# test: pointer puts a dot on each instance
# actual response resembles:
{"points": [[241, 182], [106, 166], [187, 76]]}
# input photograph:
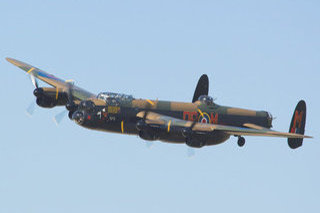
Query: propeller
{"points": [[149, 144], [187, 132], [59, 117], [70, 106], [34, 81], [141, 124], [31, 108], [191, 152], [32, 105]]}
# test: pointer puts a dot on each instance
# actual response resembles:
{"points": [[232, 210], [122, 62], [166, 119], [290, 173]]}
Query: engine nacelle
{"points": [[148, 135], [50, 97], [192, 139], [46, 102], [195, 142], [146, 132]]}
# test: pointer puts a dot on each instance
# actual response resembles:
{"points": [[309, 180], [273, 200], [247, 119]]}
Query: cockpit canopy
{"points": [[114, 98], [206, 99]]}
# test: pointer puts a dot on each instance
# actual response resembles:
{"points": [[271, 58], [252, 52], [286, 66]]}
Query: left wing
{"points": [[155, 118], [77, 92]]}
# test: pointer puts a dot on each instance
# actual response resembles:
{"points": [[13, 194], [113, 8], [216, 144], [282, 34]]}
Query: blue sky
{"points": [[258, 55]]}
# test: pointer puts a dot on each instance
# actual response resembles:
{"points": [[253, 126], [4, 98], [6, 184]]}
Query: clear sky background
{"points": [[260, 55]]}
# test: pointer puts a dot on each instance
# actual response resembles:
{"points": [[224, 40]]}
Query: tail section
{"points": [[297, 125], [202, 88]]}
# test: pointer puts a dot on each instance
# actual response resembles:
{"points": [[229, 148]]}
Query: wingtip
{"points": [[8, 59], [12, 61], [18, 63]]}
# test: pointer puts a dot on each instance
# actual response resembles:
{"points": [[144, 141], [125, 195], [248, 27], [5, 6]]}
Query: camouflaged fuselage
{"points": [[122, 118]]}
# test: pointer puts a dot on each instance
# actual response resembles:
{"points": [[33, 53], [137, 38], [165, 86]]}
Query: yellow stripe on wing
{"points": [[29, 71]]}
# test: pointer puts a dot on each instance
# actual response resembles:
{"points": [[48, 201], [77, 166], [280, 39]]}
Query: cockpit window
{"points": [[114, 98], [206, 99]]}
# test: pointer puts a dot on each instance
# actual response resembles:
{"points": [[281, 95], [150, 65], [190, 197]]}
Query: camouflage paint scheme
{"points": [[197, 124]]}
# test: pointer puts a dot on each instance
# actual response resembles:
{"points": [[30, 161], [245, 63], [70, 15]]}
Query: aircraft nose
{"points": [[78, 116]]}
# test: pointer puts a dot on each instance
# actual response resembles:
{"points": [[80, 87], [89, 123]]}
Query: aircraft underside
{"points": [[157, 133]]}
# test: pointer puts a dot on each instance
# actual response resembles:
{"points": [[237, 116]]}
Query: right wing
{"points": [[158, 119], [77, 92]]}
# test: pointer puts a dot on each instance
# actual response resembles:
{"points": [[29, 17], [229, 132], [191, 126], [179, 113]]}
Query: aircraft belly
{"points": [[172, 137]]}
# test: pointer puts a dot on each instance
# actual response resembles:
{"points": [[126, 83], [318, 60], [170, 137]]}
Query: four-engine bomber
{"points": [[198, 123]]}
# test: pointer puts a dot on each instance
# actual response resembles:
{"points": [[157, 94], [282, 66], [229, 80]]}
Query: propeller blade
{"points": [[59, 117], [34, 81], [149, 144], [190, 152], [31, 108]]}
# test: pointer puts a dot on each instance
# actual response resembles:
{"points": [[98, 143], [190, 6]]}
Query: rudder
{"points": [[297, 124]]}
